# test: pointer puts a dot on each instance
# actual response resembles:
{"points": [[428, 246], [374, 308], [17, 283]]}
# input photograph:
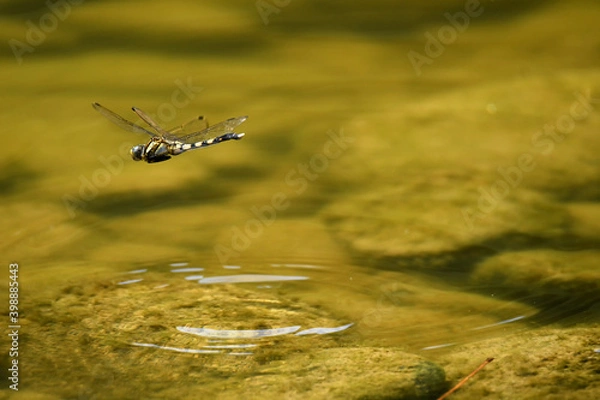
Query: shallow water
{"points": [[417, 182]]}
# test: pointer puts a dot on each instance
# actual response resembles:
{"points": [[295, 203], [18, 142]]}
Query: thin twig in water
{"points": [[459, 384]]}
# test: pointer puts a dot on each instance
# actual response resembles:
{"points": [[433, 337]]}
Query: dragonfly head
{"points": [[137, 152]]}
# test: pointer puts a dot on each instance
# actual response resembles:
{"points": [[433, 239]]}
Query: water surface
{"points": [[417, 191]]}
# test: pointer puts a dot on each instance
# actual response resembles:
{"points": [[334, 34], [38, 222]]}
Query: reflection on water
{"points": [[507, 321], [129, 282], [192, 269], [232, 336], [238, 334], [250, 278], [372, 317], [418, 188], [178, 350]]}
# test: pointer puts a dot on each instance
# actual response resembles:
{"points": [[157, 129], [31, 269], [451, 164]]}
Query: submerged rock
{"points": [[182, 338], [471, 167], [559, 283], [352, 373], [549, 363]]}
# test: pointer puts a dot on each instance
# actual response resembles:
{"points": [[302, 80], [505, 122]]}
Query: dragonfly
{"points": [[164, 144]]}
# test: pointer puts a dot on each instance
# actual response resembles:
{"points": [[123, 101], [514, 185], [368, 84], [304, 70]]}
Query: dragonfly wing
{"points": [[196, 125], [120, 121], [219, 129], [150, 121]]}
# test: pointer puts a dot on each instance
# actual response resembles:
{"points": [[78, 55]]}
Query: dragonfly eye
{"points": [[137, 152]]}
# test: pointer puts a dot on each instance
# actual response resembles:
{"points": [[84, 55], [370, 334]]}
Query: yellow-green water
{"points": [[428, 173]]}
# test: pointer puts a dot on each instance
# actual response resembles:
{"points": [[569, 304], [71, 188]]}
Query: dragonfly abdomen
{"points": [[209, 142]]}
